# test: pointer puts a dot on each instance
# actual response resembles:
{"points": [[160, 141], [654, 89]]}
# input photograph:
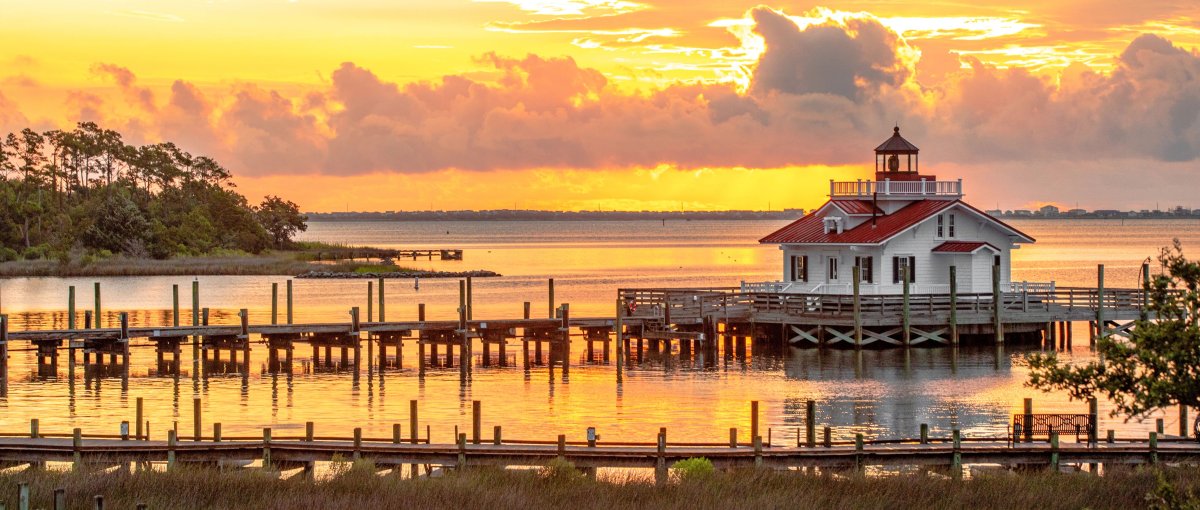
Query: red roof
{"points": [[962, 247], [811, 228], [863, 207]]}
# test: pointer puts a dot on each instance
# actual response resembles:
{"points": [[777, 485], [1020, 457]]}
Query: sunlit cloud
{"points": [[572, 7]]}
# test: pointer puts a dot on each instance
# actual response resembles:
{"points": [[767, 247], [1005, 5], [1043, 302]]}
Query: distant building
{"points": [[994, 212], [1049, 211], [1076, 212], [1022, 213]]}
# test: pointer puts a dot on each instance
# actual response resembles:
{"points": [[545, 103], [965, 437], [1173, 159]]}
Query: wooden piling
{"points": [[77, 447], [309, 430], [195, 303], [71, 307], [274, 303], [1101, 329], [733, 443], [1145, 291], [216, 432], [357, 443], [138, 417], [753, 418], [496, 440], [953, 305], [1028, 411], [22, 496], [827, 436], [1154, 447], [566, 342], [810, 423], [997, 305], [381, 302], [905, 311], [956, 469], [288, 291], [266, 451], [550, 294], [60, 499], [412, 421], [924, 433], [476, 421], [858, 451], [96, 296], [171, 440], [174, 305], [758, 447], [660, 462], [196, 432], [470, 299], [462, 331], [370, 301], [1094, 416], [1183, 419], [858, 329], [619, 329]]}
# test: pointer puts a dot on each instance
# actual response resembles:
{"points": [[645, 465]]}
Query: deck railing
{"points": [[890, 188]]}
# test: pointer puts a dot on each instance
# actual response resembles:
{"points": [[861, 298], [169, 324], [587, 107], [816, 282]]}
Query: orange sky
{"points": [[623, 104]]}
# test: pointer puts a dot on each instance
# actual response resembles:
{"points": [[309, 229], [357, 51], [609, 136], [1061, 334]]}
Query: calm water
{"points": [[881, 393]]}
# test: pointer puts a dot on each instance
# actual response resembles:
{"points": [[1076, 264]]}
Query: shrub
{"points": [[695, 468], [561, 470], [8, 254]]}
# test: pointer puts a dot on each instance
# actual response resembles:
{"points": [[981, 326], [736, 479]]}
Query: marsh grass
{"points": [[355, 485]]}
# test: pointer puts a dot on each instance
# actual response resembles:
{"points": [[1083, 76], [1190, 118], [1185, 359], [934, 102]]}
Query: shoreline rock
{"points": [[399, 274]]}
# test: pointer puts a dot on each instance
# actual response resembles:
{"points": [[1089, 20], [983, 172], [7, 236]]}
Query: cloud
{"points": [[824, 92]]}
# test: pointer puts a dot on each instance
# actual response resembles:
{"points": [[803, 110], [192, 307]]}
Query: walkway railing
{"points": [[886, 188]]}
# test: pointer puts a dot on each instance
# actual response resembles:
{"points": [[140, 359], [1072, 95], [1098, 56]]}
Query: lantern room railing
{"points": [[889, 188]]}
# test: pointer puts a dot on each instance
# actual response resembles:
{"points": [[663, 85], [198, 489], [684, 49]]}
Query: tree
{"points": [[282, 219], [119, 226], [1158, 366]]}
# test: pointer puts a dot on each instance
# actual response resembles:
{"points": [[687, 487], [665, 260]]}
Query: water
{"points": [[881, 393]]}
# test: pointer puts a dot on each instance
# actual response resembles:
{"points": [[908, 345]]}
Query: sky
{"points": [[627, 104]]}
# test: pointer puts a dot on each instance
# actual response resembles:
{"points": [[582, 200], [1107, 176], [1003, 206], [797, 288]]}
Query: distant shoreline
{"points": [[786, 215]]}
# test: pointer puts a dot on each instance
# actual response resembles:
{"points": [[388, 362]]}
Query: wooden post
{"points": [[412, 421], [171, 439], [266, 452], [462, 330], [370, 301], [565, 350], [827, 436], [905, 317], [1154, 447], [496, 435], [953, 305], [660, 461], [309, 431], [1145, 291], [857, 308], [810, 423], [997, 304], [858, 451], [462, 450], [956, 460], [476, 421], [1053, 451], [216, 432], [288, 291], [34, 425], [22, 496], [381, 301], [96, 295], [924, 433], [71, 308], [733, 437], [1158, 425], [138, 416], [357, 443], [196, 432], [753, 418], [60, 499], [1028, 411], [244, 315], [175, 305], [4, 355], [1101, 329], [195, 303], [758, 447], [1183, 418], [77, 447], [470, 300], [1094, 416], [619, 329], [274, 303], [551, 295]]}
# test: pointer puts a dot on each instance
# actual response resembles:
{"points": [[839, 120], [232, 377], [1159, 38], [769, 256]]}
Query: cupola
{"points": [[897, 159]]}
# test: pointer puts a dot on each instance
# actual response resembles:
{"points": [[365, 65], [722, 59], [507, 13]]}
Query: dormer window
{"points": [[832, 224]]}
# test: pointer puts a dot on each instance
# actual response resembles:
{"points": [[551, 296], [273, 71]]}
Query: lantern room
{"points": [[898, 159]]}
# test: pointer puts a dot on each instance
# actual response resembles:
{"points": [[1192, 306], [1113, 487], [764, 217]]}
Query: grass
{"points": [[359, 487]]}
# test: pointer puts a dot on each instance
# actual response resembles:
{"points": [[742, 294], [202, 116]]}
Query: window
{"points": [[941, 227], [866, 269], [907, 261], [833, 269], [950, 223], [799, 268]]}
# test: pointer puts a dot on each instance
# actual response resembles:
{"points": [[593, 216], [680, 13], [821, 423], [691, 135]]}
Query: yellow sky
{"points": [[51, 52]]}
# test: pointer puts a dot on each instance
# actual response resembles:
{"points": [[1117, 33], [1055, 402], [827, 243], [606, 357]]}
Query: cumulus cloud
{"points": [[823, 93]]}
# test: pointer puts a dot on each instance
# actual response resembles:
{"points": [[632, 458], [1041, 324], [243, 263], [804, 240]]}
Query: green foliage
{"points": [[693, 469], [1159, 366], [561, 470], [67, 194], [1166, 497]]}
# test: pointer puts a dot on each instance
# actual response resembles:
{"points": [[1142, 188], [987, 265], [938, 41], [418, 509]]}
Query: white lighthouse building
{"points": [[902, 219]]}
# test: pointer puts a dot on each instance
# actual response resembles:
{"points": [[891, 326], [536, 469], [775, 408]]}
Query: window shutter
{"points": [[895, 269], [912, 269], [804, 268]]}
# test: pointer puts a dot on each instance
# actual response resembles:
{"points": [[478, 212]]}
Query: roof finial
{"points": [[896, 129]]}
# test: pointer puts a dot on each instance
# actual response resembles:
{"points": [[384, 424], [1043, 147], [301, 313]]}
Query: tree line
{"points": [[86, 193]]}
